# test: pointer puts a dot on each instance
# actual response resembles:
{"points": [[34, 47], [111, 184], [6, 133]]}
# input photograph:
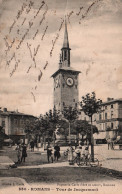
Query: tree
{"points": [[84, 128], [44, 126], [31, 128], [70, 114], [63, 128], [48, 123], [90, 105], [79, 127]]}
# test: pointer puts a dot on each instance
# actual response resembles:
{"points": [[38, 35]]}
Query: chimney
{"points": [[109, 99]]}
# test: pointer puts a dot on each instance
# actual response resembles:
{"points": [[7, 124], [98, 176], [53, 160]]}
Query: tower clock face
{"points": [[70, 81]]}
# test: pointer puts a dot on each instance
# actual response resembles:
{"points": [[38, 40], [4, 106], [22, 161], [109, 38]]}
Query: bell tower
{"points": [[65, 79], [65, 55]]}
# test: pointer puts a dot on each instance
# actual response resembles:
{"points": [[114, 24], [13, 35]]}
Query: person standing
{"points": [[49, 153], [70, 154], [32, 145], [24, 153], [18, 148], [57, 152]]}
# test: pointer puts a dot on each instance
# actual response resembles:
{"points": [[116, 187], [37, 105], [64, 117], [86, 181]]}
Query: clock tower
{"points": [[65, 79]]}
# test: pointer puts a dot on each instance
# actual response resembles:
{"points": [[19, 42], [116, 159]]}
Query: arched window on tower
{"points": [[65, 55]]}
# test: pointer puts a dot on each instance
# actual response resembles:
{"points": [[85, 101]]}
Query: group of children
{"points": [[78, 153], [82, 153]]}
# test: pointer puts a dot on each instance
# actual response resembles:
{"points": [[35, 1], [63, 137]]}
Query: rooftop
{"points": [[6, 112], [112, 101]]}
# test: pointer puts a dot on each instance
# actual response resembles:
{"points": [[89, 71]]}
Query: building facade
{"points": [[109, 120], [65, 79], [13, 123]]}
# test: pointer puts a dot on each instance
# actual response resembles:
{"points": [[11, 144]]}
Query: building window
{"points": [[3, 123], [63, 103], [111, 105], [73, 100], [63, 85], [15, 121], [105, 107], [100, 117], [105, 115], [75, 104], [76, 86], [102, 126], [105, 126], [111, 114], [22, 122], [112, 125]]}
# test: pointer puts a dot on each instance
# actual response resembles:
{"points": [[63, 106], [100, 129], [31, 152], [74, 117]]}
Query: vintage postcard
{"points": [[60, 96]]}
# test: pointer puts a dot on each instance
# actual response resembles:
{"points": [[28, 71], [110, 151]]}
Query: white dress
{"points": [[70, 154]]}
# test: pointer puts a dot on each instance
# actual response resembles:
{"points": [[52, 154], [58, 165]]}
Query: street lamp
{"points": [[69, 133]]}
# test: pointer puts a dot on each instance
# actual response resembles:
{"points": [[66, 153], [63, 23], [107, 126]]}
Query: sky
{"points": [[31, 38]]}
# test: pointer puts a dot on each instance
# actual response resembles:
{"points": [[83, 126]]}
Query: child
{"points": [[78, 154], [70, 154], [86, 154]]}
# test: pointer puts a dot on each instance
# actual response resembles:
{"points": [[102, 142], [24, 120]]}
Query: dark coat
{"points": [[49, 150], [32, 144], [57, 151], [24, 152]]}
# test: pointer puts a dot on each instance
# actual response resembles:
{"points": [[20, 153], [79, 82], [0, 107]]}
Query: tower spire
{"points": [[66, 41], [65, 49]]}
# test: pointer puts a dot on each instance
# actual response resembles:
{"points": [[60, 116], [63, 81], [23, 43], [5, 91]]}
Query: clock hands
{"points": [[69, 81]]}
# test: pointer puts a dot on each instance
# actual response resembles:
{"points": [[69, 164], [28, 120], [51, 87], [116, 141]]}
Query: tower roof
{"points": [[66, 69], [66, 41]]}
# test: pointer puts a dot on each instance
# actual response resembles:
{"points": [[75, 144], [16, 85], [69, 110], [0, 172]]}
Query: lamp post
{"points": [[69, 133]]}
